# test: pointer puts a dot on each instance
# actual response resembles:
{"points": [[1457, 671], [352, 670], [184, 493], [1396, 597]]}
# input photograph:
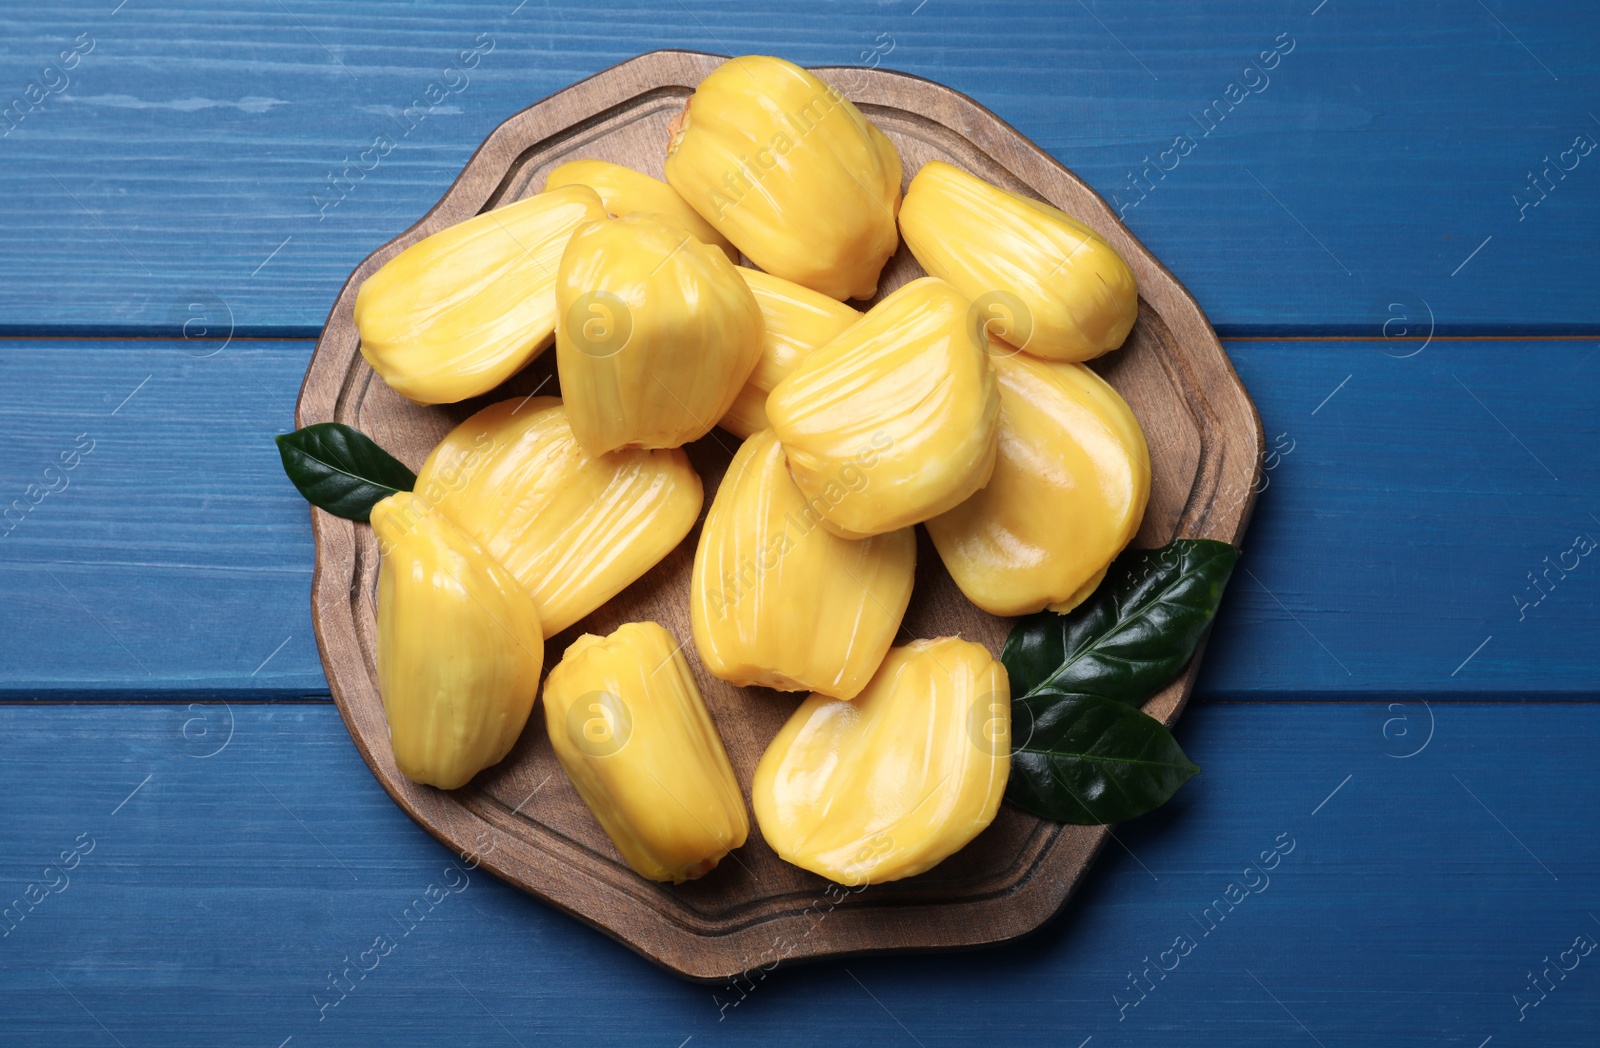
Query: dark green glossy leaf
{"points": [[341, 469], [1089, 760], [1133, 634], [1088, 754]]}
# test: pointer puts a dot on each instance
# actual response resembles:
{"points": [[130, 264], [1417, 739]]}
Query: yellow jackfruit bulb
{"points": [[633, 734], [459, 646], [789, 170], [894, 421], [574, 529], [797, 320], [894, 782], [778, 600], [1068, 492], [1038, 277], [459, 312], [625, 191], [656, 334]]}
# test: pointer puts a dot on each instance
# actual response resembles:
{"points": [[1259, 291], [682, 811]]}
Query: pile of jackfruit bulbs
{"points": [[960, 402]]}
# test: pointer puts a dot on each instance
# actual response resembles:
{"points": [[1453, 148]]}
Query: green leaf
{"points": [[1090, 760], [1133, 634], [1088, 754], [341, 469]]}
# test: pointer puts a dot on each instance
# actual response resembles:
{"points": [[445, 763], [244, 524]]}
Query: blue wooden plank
{"points": [[218, 887], [1421, 501], [192, 152], [1413, 489], [172, 554]]}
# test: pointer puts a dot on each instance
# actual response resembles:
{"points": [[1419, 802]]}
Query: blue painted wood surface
{"points": [[258, 854], [199, 152], [1414, 566], [1408, 499]]}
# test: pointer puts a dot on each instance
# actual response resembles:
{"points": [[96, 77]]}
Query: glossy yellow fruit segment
{"points": [[1068, 492], [1038, 277], [797, 320], [459, 312], [634, 736], [656, 334], [459, 646], [779, 601], [625, 191], [574, 529], [895, 420], [789, 170], [896, 781]]}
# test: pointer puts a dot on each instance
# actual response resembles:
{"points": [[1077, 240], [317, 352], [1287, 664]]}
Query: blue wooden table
{"points": [[1395, 227]]}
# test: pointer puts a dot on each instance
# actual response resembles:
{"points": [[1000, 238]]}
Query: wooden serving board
{"points": [[522, 819]]}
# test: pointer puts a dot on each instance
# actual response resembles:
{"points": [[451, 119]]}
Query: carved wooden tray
{"points": [[522, 819]]}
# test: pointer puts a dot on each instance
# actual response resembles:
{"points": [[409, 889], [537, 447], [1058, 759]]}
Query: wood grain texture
{"points": [[1205, 443], [199, 137], [1395, 531], [1412, 490], [218, 899], [161, 561]]}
